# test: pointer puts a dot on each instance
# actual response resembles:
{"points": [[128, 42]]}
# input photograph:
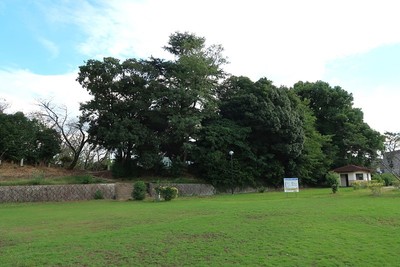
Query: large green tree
{"points": [[17, 136], [23, 138], [121, 115], [47, 144], [145, 109], [212, 160], [352, 140], [313, 163], [190, 79], [273, 116]]}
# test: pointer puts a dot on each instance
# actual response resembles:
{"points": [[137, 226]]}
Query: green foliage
{"points": [[262, 189], [376, 188], [335, 188], [313, 163], [125, 169], [352, 140], [185, 109], [22, 138], [377, 177], [212, 161], [38, 178], [153, 107], [139, 190], [388, 179], [274, 125], [48, 144], [98, 194], [359, 185], [396, 184], [167, 192], [87, 179], [333, 181]]}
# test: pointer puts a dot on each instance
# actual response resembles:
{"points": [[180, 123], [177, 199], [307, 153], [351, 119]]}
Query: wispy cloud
{"points": [[51, 47], [287, 40]]}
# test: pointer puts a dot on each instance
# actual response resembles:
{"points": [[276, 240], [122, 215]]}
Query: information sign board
{"points": [[291, 185]]}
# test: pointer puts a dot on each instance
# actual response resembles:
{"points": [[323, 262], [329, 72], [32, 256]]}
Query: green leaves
{"points": [[22, 138], [352, 140], [186, 109]]}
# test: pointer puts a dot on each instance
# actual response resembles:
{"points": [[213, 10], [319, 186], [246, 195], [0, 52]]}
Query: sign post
{"points": [[291, 185]]}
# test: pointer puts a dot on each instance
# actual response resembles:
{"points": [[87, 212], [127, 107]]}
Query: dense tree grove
{"points": [[352, 140], [184, 115], [189, 111], [23, 138]]}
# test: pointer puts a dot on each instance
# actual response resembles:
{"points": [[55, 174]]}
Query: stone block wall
{"points": [[38, 193], [123, 191], [187, 189], [118, 191]]}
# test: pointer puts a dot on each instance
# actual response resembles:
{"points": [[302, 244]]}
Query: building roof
{"points": [[351, 168]]}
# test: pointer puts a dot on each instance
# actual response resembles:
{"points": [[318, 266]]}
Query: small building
{"points": [[350, 173]]}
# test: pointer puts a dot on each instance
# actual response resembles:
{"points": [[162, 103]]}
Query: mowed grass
{"points": [[312, 228]]}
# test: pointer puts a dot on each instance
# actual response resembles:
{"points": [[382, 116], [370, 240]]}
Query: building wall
{"points": [[352, 177], [391, 162]]}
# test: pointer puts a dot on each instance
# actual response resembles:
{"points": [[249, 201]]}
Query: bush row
{"points": [[162, 192]]}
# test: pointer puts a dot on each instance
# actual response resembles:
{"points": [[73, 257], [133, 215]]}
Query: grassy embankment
{"points": [[314, 228]]}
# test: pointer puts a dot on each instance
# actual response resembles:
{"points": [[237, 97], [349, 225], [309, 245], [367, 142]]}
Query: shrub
{"points": [[359, 185], [262, 189], [388, 178], [87, 179], [376, 188], [332, 179], [167, 192], [335, 188], [98, 194], [377, 177], [396, 184], [139, 190]]}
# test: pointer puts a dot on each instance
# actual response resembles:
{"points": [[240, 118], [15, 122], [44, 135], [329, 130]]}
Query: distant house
{"points": [[350, 173], [390, 162]]}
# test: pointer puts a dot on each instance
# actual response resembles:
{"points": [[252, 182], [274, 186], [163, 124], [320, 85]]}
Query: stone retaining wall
{"points": [[35, 193], [123, 191], [187, 189], [118, 191]]}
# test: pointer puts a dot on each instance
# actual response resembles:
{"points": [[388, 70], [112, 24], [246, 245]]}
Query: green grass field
{"points": [[312, 228]]}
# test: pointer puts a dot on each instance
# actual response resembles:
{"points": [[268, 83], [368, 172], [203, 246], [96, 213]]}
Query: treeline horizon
{"points": [[192, 112]]}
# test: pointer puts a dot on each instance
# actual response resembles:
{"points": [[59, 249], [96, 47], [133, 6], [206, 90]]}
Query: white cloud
{"points": [[51, 47], [286, 40], [21, 88], [380, 107]]}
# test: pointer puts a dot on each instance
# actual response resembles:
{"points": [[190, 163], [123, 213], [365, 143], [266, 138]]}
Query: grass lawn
{"points": [[312, 228]]}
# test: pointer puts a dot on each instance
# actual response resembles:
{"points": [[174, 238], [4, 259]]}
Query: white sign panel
{"points": [[291, 184]]}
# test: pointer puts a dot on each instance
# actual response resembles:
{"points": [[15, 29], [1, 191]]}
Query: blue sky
{"points": [[353, 44]]}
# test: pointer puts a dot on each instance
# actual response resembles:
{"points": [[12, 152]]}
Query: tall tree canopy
{"points": [[22, 138], [189, 110], [352, 140], [148, 108], [190, 81], [120, 113], [277, 137]]}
